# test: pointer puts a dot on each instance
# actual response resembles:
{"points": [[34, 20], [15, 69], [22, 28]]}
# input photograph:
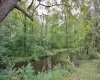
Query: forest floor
{"points": [[87, 71]]}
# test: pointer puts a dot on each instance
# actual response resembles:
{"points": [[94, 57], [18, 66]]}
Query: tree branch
{"points": [[51, 5], [45, 6], [30, 5], [24, 12], [35, 9]]}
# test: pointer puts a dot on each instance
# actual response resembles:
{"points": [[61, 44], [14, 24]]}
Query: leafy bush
{"points": [[56, 74], [28, 73]]}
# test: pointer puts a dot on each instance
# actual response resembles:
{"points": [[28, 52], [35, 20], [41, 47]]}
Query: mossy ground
{"points": [[87, 71]]}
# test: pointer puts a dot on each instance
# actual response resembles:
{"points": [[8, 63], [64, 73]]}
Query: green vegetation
{"points": [[47, 47], [87, 71]]}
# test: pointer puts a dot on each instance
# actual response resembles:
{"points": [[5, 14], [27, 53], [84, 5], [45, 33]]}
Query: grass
{"points": [[87, 71]]}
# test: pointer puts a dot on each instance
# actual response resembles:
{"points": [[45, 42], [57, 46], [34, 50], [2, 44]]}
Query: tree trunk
{"points": [[5, 7], [8, 5], [25, 47]]}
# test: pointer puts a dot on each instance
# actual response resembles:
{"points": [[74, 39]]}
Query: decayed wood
{"points": [[8, 5]]}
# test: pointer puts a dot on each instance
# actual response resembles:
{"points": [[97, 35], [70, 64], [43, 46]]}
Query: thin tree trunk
{"points": [[49, 64], [25, 48], [66, 32]]}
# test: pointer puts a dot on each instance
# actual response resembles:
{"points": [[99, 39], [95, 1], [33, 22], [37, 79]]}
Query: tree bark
{"points": [[5, 7], [8, 5]]}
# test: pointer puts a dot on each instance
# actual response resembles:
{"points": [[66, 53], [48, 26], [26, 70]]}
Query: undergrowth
{"points": [[28, 73]]}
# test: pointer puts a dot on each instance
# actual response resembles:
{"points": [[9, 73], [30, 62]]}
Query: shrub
{"points": [[57, 73]]}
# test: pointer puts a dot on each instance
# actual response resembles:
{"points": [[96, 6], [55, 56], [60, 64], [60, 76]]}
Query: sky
{"points": [[41, 9]]}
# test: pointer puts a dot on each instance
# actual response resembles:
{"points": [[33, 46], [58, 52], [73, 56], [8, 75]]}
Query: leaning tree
{"points": [[6, 6]]}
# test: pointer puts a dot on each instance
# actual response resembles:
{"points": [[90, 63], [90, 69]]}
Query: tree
{"points": [[8, 5]]}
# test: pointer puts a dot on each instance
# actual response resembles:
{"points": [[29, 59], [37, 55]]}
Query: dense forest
{"points": [[48, 39]]}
